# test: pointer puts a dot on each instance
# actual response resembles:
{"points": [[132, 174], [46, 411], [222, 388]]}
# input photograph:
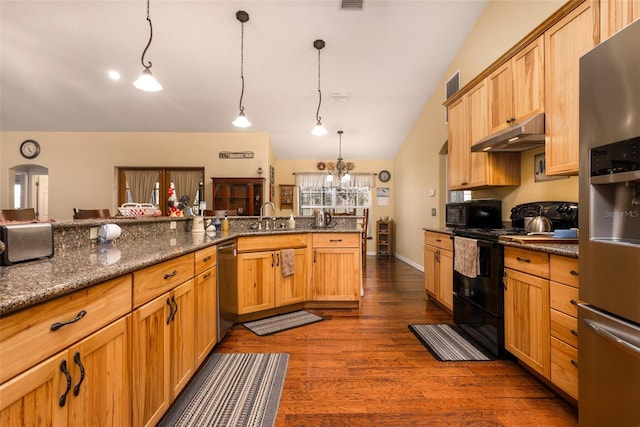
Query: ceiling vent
{"points": [[340, 96], [351, 4]]}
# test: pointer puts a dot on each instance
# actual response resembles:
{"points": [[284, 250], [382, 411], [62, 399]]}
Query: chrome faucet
{"points": [[273, 208]]}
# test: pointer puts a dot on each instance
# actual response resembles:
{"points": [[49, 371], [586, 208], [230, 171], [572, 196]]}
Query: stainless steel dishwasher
{"points": [[227, 288]]}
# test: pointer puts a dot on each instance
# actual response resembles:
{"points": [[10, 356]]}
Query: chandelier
{"points": [[341, 168]]}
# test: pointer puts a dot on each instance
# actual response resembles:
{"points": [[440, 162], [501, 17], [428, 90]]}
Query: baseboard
{"points": [[410, 262]]}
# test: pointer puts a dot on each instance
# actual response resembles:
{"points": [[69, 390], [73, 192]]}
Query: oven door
{"points": [[485, 290]]}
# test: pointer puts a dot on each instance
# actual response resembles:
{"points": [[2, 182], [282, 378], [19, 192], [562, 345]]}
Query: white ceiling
{"points": [[54, 58]]}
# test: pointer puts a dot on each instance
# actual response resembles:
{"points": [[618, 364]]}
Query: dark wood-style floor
{"points": [[368, 369]]}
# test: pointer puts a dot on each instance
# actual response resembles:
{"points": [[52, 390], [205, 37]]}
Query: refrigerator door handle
{"points": [[610, 336]]}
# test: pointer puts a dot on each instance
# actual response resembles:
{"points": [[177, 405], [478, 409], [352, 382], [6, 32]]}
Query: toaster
{"points": [[24, 242]]}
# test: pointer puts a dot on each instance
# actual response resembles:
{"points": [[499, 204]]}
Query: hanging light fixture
{"points": [[341, 169], [318, 130], [241, 121], [146, 81]]}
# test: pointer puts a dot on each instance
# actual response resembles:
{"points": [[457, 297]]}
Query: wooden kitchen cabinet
{"points": [[98, 395], [260, 282], [163, 352], [526, 308], [516, 89], [336, 267], [564, 43], [617, 14], [205, 303], [438, 267], [384, 241], [467, 170], [244, 195]]}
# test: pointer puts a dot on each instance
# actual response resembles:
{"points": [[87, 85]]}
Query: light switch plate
{"points": [[433, 211], [93, 233], [172, 225]]}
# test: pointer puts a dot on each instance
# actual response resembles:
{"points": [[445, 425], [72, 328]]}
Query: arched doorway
{"points": [[30, 189]]}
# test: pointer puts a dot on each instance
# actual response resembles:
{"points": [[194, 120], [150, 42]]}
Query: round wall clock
{"points": [[29, 149], [384, 176]]}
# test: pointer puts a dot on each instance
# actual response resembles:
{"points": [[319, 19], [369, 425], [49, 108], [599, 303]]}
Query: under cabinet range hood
{"points": [[522, 136]]}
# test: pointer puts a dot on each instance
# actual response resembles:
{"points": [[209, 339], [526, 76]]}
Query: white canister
{"points": [[291, 223], [109, 231], [198, 224]]}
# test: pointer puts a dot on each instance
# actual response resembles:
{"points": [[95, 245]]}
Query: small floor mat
{"points": [[448, 343], [281, 322]]}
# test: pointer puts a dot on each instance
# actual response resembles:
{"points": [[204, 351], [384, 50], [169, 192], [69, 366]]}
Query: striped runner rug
{"points": [[281, 322], [447, 343], [231, 390]]}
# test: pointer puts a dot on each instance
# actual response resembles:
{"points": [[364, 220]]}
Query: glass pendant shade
{"points": [[147, 82], [241, 121], [319, 130], [329, 178]]}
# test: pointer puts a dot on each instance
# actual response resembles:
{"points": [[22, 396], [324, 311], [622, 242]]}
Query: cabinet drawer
{"points": [[564, 369], [27, 336], [564, 270], [561, 297], [342, 240], [439, 240], [271, 242], [205, 259], [532, 262], [153, 281], [564, 327]]}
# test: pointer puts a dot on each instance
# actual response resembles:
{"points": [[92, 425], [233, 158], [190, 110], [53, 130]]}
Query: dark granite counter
{"points": [[448, 231], [564, 249], [78, 265]]}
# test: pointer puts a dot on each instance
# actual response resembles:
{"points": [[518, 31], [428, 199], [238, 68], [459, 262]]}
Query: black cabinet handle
{"points": [[173, 299], [207, 258], [574, 273], [170, 311], [170, 275], [574, 332], [76, 359], [438, 240], [523, 259], [207, 275], [574, 363], [335, 240], [573, 302], [278, 259], [59, 325], [65, 371], [273, 259]]}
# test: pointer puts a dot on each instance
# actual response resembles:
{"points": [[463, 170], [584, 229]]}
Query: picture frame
{"points": [[272, 174]]}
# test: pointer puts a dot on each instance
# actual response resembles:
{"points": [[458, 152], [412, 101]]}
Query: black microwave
{"points": [[478, 213]]}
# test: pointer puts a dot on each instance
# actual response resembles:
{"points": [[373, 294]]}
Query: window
{"points": [[350, 198]]}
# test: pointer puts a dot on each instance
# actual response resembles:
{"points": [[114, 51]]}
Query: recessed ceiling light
{"points": [[114, 75]]}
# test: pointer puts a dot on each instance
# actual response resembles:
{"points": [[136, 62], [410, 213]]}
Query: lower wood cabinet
{"points": [[336, 274], [205, 314], [438, 267], [86, 384], [163, 352]]}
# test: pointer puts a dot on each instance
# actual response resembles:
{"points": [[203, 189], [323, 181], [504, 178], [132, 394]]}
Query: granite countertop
{"points": [[25, 284], [564, 249], [448, 231]]}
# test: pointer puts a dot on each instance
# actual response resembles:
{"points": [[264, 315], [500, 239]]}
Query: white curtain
{"points": [[186, 183], [319, 180], [141, 185]]}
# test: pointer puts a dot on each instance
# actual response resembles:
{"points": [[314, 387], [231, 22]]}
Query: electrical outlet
{"points": [[172, 225], [93, 233], [433, 211]]}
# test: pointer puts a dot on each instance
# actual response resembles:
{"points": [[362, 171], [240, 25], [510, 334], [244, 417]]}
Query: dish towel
{"points": [[287, 257], [465, 258]]}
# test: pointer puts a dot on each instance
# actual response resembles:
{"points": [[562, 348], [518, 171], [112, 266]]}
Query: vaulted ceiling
{"points": [[386, 57]]}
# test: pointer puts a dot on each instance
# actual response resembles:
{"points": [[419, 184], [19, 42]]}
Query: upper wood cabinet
{"points": [[467, 170], [244, 195], [516, 89], [567, 40], [617, 14]]}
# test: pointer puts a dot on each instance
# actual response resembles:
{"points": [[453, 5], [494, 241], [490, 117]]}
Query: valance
{"points": [[319, 180]]}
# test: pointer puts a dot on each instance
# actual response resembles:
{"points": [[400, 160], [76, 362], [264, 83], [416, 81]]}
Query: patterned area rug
{"points": [[281, 322], [231, 390], [447, 343]]}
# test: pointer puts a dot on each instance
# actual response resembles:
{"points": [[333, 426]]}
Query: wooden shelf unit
{"points": [[384, 233]]}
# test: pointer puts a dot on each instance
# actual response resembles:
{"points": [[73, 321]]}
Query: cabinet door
{"points": [[32, 398], [292, 289], [182, 340], [206, 314], [459, 147], [256, 281], [336, 274], [430, 269], [151, 361], [526, 319], [445, 278], [528, 80], [564, 43], [99, 366], [500, 84], [617, 14]]}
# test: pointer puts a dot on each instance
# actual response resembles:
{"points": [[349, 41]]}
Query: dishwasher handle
{"points": [[227, 247]]}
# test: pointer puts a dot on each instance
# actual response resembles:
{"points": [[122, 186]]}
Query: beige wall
{"points": [[82, 164], [418, 164]]}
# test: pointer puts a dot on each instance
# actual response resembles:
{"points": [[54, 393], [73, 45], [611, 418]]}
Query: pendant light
{"points": [[341, 168], [146, 81], [241, 121], [318, 130]]}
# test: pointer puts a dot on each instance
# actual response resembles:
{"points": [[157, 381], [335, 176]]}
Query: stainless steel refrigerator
{"points": [[609, 314]]}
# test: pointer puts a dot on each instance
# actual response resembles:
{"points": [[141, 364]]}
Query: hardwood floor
{"points": [[368, 369]]}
